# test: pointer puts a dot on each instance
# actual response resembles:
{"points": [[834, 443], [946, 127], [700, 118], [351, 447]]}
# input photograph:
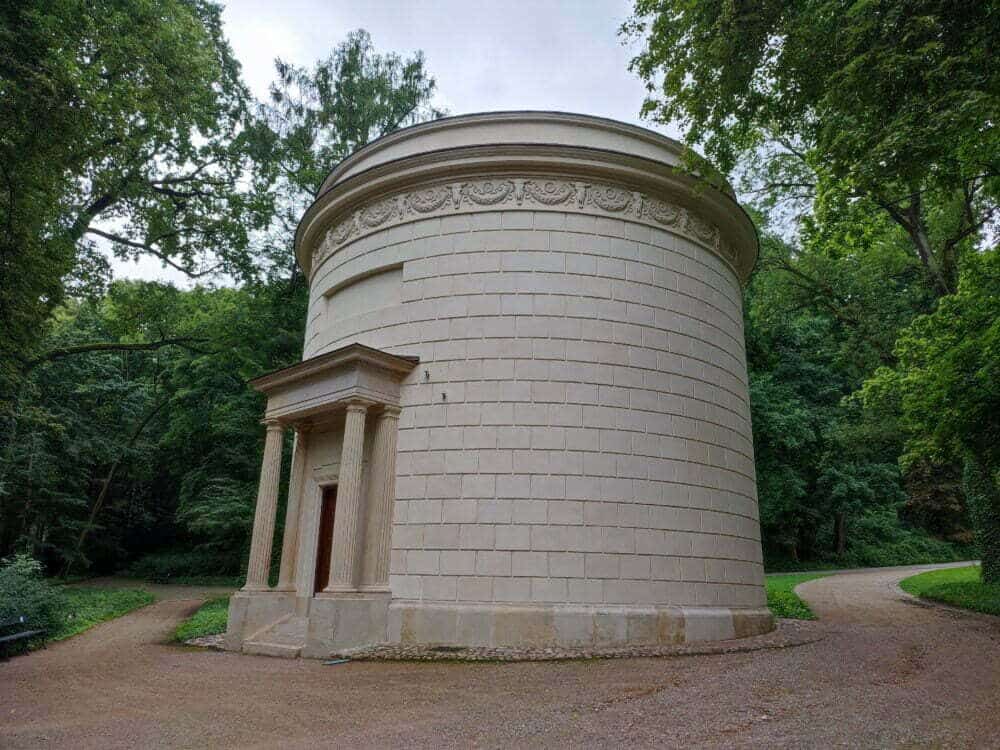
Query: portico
{"points": [[343, 408]]}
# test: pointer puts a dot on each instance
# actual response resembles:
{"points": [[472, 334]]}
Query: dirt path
{"points": [[889, 673]]}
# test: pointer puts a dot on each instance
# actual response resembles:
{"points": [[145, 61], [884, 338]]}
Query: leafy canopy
{"points": [[892, 102], [124, 122]]}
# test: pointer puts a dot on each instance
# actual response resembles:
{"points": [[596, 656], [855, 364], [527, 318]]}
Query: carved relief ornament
{"points": [[501, 192]]}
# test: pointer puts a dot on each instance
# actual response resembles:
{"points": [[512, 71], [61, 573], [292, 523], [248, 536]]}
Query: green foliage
{"points": [[821, 462], [960, 587], [80, 415], [936, 500], [320, 115], [946, 387], [124, 121], [782, 599], [876, 539], [887, 107], [866, 132], [61, 611], [983, 492], [24, 591], [210, 619], [132, 428], [86, 607], [346, 100], [188, 566]]}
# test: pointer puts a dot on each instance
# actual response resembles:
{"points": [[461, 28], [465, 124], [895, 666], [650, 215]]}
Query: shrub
{"points": [[24, 591], [185, 566], [876, 540]]}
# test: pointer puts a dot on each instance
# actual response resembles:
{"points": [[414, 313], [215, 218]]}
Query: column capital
{"points": [[390, 411], [357, 406], [273, 424]]}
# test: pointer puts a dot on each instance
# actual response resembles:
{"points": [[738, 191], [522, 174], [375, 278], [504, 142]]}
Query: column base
{"points": [[338, 589]]}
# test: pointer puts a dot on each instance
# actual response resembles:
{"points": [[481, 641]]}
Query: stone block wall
{"points": [[577, 431]]}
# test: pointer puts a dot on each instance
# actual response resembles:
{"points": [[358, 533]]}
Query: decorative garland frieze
{"points": [[515, 192]]}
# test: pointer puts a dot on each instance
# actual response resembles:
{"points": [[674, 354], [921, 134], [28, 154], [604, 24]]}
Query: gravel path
{"points": [[888, 673]]}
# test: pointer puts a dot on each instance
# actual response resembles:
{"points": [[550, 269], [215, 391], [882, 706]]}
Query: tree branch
{"points": [[109, 346], [149, 248]]}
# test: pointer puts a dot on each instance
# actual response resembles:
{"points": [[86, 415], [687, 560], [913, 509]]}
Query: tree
{"points": [[888, 104], [821, 466], [124, 122], [947, 388], [320, 115], [133, 427]]}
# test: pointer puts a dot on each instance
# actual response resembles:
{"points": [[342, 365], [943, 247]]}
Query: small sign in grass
{"points": [[782, 599], [960, 587]]}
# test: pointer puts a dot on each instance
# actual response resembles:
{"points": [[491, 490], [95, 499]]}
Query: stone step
{"points": [[279, 650]]}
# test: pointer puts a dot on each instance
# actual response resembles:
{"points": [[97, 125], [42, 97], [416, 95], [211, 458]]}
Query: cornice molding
{"points": [[351, 355]]}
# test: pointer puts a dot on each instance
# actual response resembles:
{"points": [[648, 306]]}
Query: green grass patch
{"points": [[83, 608], [782, 599], [210, 619], [960, 587]]}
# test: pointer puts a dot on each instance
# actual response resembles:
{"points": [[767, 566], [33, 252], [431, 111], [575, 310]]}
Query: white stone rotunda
{"points": [[521, 418]]}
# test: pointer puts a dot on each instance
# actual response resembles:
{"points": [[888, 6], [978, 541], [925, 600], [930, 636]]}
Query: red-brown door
{"points": [[327, 513]]}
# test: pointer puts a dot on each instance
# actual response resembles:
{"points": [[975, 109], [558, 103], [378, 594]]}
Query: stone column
{"points": [[347, 522], [378, 534], [267, 504], [296, 487]]}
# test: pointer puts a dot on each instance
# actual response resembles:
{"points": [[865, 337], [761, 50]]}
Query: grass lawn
{"points": [[210, 619], [85, 608], [960, 587], [781, 597]]}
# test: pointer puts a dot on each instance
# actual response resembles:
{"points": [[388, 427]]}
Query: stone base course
{"points": [[789, 633], [569, 626]]}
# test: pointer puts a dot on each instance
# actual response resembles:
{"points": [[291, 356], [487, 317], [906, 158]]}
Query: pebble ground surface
{"points": [[883, 671]]}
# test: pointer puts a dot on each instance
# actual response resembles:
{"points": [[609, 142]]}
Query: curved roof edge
{"points": [[427, 148], [349, 164]]}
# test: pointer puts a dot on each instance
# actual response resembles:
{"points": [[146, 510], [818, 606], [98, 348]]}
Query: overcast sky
{"points": [[485, 54]]}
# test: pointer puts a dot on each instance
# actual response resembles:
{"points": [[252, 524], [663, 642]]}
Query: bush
{"points": [[196, 566], [24, 591], [877, 540]]}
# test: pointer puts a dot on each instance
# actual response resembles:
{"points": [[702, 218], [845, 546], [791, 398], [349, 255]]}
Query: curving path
{"points": [[889, 673]]}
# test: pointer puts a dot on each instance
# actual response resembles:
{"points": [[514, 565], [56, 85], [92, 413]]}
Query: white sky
{"points": [[520, 54]]}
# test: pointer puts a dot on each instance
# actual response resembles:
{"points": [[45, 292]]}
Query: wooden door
{"points": [[327, 513]]}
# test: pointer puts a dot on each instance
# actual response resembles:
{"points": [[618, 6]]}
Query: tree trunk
{"points": [[106, 485], [840, 533]]}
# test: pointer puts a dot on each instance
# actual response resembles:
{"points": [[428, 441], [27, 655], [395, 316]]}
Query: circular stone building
{"points": [[522, 415]]}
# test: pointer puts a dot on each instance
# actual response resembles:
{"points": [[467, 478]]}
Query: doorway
{"points": [[328, 511]]}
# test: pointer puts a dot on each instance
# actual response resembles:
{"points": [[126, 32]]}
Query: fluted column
{"points": [[290, 540], [267, 504], [378, 534], [347, 522]]}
